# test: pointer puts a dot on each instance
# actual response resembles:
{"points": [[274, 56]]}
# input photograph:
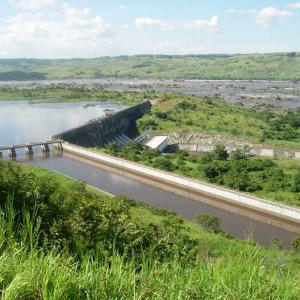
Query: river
{"points": [[21, 122]]}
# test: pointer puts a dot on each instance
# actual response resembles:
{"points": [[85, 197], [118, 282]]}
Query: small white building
{"points": [[158, 142]]}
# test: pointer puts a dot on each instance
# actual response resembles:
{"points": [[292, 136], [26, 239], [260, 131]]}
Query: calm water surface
{"points": [[22, 122]]}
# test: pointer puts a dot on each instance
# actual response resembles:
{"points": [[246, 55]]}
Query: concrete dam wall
{"points": [[104, 130]]}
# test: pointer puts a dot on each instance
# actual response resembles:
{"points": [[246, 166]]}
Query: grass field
{"points": [[273, 66], [33, 268]]}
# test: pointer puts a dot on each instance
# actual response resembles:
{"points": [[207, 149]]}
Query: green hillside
{"points": [[60, 240], [273, 66]]}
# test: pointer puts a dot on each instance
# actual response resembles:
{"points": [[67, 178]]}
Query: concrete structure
{"points": [[158, 142], [28, 148], [282, 216], [103, 131], [201, 142]]}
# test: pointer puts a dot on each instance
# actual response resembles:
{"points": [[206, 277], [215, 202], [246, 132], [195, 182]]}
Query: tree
{"points": [[163, 163], [238, 154], [220, 152], [215, 169]]}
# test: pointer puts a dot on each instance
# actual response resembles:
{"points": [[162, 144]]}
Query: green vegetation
{"points": [[178, 113], [69, 94], [208, 222], [59, 240], [279, 66], [276, 179]]}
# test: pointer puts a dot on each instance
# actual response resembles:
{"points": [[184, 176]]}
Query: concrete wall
{"points": [[266, 152], [201, 142], [259, 209], [102, 131]]}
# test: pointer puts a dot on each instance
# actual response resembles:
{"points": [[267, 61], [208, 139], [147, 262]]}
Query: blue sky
{"points": [[92, 28]]}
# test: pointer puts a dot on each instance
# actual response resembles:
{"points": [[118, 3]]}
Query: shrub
{"points": [[208, 222], [220, 152], [296, 243], [295, 187], [163, 163], [161, 115], [71, 216], [215, 169]]}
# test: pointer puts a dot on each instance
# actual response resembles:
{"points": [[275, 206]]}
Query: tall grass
{"points": [[29, 271]]}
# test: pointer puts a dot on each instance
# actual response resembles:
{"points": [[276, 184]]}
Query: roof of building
{"points": [[157, 141]]}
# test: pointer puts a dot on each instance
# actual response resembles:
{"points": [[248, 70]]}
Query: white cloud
{"points": [[123, 7], [32, 4], [125, 26], [241, 11], [41, 35], [270, 16], [211, 25], [294, 5], [149, 22]]}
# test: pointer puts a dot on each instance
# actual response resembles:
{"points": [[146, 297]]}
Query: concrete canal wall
{"points": [[282, 216], [102, 131]]}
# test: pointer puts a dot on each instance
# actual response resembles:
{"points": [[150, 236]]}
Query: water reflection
{"points": [[22, 122]]}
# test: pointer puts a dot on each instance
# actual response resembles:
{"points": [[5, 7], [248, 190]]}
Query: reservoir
{"points": [[21, 122]]}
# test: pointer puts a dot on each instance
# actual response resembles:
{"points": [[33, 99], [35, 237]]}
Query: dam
{"points": [[100, 132]]}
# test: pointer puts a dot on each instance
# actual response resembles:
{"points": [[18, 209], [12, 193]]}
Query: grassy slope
{"points": [[225, 274], [213, 117], [281, 66], [227, 269], [216, 244]]}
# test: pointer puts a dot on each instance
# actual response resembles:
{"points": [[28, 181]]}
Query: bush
{"points": [[149, 153], [186, 105], [215, 169], [220, 152], [296, 243], [163, 163], [161, 115], [239, 154], [208, 222], [71, 216], [238, 181], [295, 187]]}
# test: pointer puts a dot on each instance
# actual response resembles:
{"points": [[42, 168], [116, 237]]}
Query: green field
{"points": [[59, 240], [179, 113], [273, 66]]}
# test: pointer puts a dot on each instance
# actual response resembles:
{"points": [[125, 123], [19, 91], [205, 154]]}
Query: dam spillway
{"points": [[102, 131]]}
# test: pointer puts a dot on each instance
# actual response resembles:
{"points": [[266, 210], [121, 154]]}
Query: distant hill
{"points": [[273, 66]]}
